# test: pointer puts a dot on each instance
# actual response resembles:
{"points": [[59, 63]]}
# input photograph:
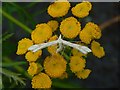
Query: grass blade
{"points": [[4, 38], [24, 27], [12, 64]]}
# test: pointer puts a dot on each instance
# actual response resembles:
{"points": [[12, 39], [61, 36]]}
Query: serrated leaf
{"points": [[12, 75]]}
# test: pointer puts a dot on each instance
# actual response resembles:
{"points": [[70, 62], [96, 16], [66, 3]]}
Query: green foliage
{"points": [[6, 36], [8, 48], [12, 64], [1, 85], [18, 68], [12, 76], [15, 21]]}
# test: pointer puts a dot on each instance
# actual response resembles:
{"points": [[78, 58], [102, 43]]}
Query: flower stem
{"points": [[110, 22], [65, 56], [24, 27]]}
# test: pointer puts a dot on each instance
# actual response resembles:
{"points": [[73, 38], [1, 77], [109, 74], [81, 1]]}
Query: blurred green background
{"points": [[19, 18]]}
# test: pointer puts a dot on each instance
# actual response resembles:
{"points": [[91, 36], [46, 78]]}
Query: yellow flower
{"points": [[90, 31], [23, 46], [53, 24], [70, 27], [77, 63], [42, 33], [75, 52], [97, 50], [93, 29], [59, 8], [52, 49], [81, 10], [55, 37], [55, 65], [85, 37], [34, 68], [64, 75], [33, 56], [83, 74], [41, 80]]}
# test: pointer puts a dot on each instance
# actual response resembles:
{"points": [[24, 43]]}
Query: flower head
{"points": [[77, 63], [41, 80], [83, 74], [55, 65], [42, 33], [52, 49], [81, 10], [97, 50], [70, 27], [93, 29], [90, 31], [34, 68], [85, 37], [59, 8], [23, 45], [33, 56], [53, 24]]}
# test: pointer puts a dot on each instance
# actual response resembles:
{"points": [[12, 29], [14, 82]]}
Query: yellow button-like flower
{"points": [[59, 8], [44, 36], [75, 52], [52, 49], [55, 65], [42, 33], [23, 46], [55, 37], [77, 63], [85, 37], [41, 80], [70, 27], [90, 31], [97, 50], [53, 24], [93, 29], [83, 74], [33, 56], [81, 10], [34, 68]]}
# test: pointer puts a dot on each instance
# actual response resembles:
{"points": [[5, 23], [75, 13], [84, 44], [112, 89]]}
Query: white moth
{"points": [[60, 42]]}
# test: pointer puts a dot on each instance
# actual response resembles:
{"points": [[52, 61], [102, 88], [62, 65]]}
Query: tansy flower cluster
{"points": [[55, 64]]}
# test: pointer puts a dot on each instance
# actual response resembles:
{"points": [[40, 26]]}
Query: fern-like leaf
{"points": [[12, 76]]}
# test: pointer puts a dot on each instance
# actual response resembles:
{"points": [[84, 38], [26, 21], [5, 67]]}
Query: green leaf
{"points": [[23, 12], [1, 85], [17, 67], [12, 75], [7, 36], [25, 28], [31, 4], [12, 64]]}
